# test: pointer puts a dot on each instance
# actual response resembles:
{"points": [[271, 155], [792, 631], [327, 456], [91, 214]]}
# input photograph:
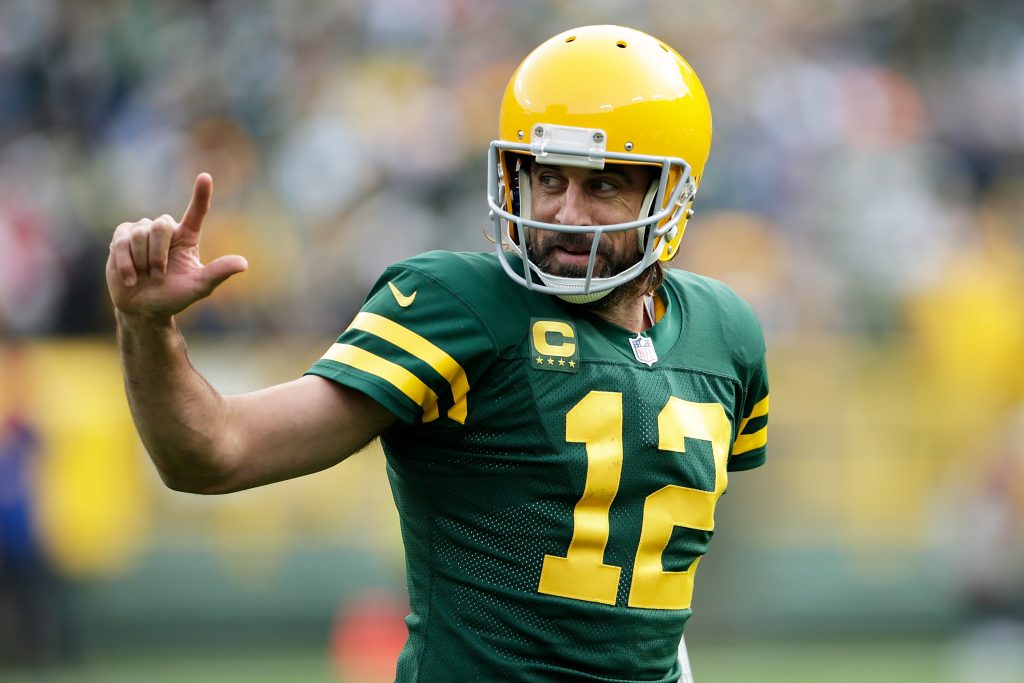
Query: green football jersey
{"points": [[555, 475]]}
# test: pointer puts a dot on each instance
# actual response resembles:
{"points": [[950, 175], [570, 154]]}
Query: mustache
{"points": [[540, 254], [575, 242]]}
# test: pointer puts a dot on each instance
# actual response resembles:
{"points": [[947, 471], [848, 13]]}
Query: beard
{"points": [[608, 262]]}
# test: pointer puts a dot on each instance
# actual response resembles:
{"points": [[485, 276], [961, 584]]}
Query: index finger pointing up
{"points": [[192, 221]]}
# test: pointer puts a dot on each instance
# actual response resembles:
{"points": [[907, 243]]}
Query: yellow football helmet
{"points": [[592, 95]]}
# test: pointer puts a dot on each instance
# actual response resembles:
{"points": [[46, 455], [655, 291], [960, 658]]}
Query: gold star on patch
{"points": [[551, 361], [561, 362], [539, 360], [572, 364]]}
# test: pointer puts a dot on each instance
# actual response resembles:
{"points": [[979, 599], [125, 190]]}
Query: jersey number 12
{"points": [[582, 574]]}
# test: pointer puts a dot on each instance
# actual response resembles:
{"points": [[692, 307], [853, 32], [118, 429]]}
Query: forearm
{"points": [[179, 416], [199, 440]]}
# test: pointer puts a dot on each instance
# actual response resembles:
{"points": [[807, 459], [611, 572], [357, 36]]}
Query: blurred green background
{"points": [[865, 193]]}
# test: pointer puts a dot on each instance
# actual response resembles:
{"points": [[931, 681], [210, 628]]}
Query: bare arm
{"points": [[199, 440]]}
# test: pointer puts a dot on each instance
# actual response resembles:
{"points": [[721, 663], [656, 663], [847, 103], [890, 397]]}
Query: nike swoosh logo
{"points": [[403, 300]]}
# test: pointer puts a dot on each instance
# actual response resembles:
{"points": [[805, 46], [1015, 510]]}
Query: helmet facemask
{"points": [[659, 225]]}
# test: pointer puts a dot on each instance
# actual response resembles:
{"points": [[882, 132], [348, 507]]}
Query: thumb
{"points": [[220, 269]]}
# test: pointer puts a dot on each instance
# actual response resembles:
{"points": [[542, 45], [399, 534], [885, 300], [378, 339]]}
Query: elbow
{"points": [[204, 480], [198, 486], [190, 483]]}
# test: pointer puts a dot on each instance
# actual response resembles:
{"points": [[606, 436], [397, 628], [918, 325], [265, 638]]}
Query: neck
{"points": [[627, 304], [630, 313]]}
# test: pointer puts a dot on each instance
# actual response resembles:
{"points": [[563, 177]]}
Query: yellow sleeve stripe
{"points": [[760, 409], [414, 344], [406, 382], [749, 442]]}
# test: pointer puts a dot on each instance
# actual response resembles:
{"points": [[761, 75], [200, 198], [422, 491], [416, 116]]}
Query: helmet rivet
{"points": [[629, 146], [689, 214], [538, 131], [519, 135], [598, 136]]}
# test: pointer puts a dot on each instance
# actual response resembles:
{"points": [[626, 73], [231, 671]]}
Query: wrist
{"points": [[141, 322]]}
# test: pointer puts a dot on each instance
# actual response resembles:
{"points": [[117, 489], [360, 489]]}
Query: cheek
{"points": [[542, 208], [539, 238], [625, 246]]}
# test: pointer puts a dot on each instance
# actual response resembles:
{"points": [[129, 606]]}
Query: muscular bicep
{"points": [[296, 428]]}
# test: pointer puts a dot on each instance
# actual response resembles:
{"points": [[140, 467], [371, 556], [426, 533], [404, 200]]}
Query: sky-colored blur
{"points": [[865, 193]]}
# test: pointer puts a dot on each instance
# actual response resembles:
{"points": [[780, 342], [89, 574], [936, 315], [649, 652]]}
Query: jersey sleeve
{"points": [[412, 347], [750, 447]]}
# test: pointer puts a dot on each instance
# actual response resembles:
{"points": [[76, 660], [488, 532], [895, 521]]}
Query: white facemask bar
{"points": [[674, 211]]}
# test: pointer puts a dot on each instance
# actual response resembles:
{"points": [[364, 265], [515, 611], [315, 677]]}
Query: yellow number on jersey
{"points": [[582, 574]]}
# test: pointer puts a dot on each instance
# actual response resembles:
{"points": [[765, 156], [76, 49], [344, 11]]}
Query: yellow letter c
{"points": [[542, 328]]}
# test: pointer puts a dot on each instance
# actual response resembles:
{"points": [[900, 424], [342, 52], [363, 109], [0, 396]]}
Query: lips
{"points": [[575, 245], [571, 255]]}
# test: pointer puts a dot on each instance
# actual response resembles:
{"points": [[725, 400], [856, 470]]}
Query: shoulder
{"points": [[453, 267], [713, 308], [473, 277], [704, 290], [458, 286]]}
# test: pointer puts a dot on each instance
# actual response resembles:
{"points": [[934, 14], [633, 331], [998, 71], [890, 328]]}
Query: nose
{"points": [[573, 208]]}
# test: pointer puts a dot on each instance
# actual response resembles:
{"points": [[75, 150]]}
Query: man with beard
{"points": [[558, 417], [566, 195]]}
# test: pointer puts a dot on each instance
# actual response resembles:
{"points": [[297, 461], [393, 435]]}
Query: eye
{"points": [[548, 180], [603, 185]]}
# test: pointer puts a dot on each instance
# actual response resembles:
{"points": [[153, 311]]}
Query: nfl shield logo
{"points": [[643, 349]]}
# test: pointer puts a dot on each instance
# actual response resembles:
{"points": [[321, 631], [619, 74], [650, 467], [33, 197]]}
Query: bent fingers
{"points": [[160, 234], [121, 253], [138, 241]]}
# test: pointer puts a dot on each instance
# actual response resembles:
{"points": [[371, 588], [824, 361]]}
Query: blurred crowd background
{"points": [[865, 193]]}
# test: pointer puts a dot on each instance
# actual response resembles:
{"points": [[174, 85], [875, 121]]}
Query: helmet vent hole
{"points": [[570, 39], [621, 43]]}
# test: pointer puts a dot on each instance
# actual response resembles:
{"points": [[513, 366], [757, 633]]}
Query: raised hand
{"points": [[154, 268]]}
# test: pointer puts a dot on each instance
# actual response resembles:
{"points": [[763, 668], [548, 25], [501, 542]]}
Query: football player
{"points": [[559, 416]]}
